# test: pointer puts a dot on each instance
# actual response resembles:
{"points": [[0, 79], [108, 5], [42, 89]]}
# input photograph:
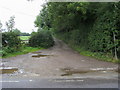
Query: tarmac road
{"points": [[59, 83], [59, 67]]}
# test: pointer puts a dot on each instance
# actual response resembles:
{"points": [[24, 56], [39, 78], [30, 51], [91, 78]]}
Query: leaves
{"points": [[84, 24], [43, 38]]}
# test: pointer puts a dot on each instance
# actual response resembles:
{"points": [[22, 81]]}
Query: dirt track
{"points": [[61, 61]]}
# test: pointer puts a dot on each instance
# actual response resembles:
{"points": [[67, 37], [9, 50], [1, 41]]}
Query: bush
{"points": [[43, 38], [10, 39], [10, 43], [7, 50]]}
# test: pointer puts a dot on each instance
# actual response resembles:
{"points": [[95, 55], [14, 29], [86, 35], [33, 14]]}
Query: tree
{"points": [[10, 39], [92, 26], [0, 26], [10, 24], [42, 20], [42, 38], [24, 34], [17, 32]]}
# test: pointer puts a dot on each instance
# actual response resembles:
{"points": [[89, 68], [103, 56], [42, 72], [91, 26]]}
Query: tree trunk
{"points": [[115, 49]]}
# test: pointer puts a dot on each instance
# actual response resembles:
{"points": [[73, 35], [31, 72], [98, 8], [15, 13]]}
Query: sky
{"points": [[25, 13]]}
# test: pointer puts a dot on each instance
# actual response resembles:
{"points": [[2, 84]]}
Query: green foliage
{"points": [[98, 55], [24, 34], [42, 20], [41, 39], [10, 39], [17, 32], [10, 42], [7, 50], [89, 25], [101, 38], [10, 24], [1, 26], [23, 50], [33, 33]]}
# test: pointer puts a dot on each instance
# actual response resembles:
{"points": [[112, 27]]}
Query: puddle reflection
{"points": [[8, 70], [71, 71], [40, 55]]}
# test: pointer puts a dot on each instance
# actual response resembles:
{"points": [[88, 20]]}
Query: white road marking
{"points": [[101, 69], [9, 81], [97, 69], [68, 80], [30, 80], [104, 71]]}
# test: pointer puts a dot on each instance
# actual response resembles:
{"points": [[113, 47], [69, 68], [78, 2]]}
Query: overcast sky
{"points": [[25, 13]]}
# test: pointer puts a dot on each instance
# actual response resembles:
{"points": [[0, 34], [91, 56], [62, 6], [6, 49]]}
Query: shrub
{"points": [[7, 50], [43, 38], [10, 39], [10, 43]]}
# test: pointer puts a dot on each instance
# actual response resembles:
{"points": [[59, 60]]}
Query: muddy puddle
{"points": [[40, 55], [8, 70], [71, 71], [36, 52]]}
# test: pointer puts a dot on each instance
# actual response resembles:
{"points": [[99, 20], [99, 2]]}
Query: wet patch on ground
{"points": [[70, 71], [36, 52], [8, 70], [40, 55], [118, 70]]}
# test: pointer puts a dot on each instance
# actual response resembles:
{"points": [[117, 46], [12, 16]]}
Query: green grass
{"points": [[97, 55], [24, 37], [24, 50]]}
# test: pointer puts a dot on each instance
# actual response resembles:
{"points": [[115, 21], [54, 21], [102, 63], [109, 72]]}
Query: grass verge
{"points": [[96, 55], [23, 50]]}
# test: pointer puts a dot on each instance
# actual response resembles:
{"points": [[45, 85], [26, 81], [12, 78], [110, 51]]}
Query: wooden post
{"points": [[115, 49]]}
